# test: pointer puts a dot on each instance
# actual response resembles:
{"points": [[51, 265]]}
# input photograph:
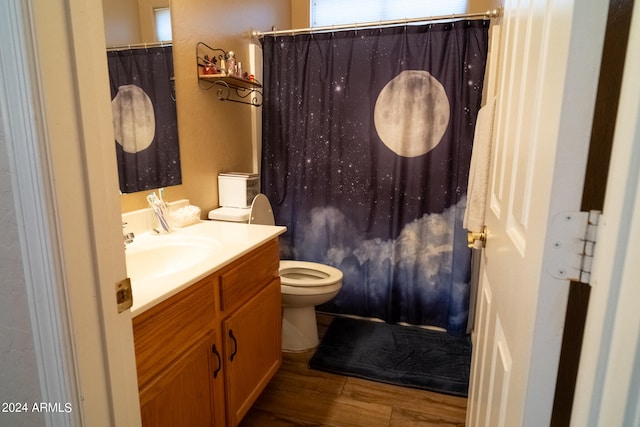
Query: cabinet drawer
{"points": [[247, 276], [165, 331]]}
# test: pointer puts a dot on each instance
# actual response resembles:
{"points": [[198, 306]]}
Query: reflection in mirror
{"points": [[144, 118], [142, 94]]}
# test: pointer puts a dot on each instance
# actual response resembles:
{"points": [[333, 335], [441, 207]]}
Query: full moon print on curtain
{"points": [[367, 139], [411, 113], [134, 121]]}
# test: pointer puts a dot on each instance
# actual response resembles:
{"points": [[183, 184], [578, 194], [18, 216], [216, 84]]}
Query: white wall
{"points": [[122, 22], [19, 380]]}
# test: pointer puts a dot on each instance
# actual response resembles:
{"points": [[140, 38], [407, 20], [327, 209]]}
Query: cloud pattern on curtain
{"points": [[366, 147], [144, 118]]}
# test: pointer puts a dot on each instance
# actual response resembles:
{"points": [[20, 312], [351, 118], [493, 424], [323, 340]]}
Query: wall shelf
{"points": [[228, 88]]}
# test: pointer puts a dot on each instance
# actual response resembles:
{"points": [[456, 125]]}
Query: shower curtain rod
{"points": [[488, 14], [139, 46]]}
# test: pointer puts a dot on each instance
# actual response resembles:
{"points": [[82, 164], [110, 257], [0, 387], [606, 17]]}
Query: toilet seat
{"points": [[308, 274]]}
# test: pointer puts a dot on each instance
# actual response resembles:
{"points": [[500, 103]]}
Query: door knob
{"points": [[477, 240]]}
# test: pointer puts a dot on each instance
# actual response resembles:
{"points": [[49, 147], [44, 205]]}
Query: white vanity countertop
{"points": [[224, 242]]}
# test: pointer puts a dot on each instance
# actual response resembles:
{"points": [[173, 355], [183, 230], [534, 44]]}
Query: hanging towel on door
{"points": [[479, 169]]}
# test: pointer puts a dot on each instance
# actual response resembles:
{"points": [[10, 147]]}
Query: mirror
{"points": [[140, 60]]}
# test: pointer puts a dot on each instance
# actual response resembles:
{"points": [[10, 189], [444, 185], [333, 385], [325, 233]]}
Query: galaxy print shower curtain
{"points": [[367, 138], [144, 118]]}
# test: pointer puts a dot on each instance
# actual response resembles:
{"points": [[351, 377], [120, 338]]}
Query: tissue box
{"points": [[184, 216]]}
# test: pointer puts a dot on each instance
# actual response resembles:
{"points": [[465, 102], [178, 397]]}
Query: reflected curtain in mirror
{"points": [[144, 118]]}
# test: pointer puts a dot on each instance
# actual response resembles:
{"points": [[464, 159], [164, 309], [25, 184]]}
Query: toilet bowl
{"points": [[303, 284]]}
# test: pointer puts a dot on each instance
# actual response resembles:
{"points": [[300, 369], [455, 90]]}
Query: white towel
{"points": [[479, 169]]}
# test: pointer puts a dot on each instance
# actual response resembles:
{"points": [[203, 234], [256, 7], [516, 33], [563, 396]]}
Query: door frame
{"points": [[602, 130], [61, 152], [608, 384]]}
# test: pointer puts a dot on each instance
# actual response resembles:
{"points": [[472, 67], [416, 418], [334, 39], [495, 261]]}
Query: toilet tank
{"points": [[237, 189]]}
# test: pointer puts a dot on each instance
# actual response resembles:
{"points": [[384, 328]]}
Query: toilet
{"points": [[303, 284]]}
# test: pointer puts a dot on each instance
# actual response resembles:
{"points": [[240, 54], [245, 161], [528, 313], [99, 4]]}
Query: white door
{"points": [[544, 72]]}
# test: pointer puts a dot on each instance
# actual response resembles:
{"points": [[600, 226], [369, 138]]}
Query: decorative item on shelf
{"points": [[209, 66], [239, 70], [219, 68], [232, 64]]}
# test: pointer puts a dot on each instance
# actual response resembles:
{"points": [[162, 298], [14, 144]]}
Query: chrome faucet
{"points": [[128, 237]]}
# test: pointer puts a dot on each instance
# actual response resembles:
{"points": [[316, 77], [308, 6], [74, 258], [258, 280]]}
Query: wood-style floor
{"points": [[299, 396]]}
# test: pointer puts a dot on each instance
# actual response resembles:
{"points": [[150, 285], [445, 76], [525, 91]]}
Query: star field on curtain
{"points": [[367, 138]]}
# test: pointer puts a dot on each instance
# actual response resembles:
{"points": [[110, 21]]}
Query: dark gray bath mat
{"points": [[401, 355]]}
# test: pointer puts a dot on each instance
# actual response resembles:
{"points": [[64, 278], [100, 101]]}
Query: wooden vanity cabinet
{"points": [[177, 356], [252, 328], [205, 354], [252, 354], [183, 394]]}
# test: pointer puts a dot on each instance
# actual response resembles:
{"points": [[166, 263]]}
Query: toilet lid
{"points": [[261, 212], [303, 273]]}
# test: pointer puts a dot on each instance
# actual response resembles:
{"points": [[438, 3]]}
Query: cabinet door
{"points": [[252, 336], [185, 393]]}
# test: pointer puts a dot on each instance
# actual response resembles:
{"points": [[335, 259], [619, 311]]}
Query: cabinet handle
{"points": [[214, 350], [235, 345]]}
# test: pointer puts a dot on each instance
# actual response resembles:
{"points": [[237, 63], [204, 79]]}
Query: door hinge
{"points": [[124, 295], [573, 238]]}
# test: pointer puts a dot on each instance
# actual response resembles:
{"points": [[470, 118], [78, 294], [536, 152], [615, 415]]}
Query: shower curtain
{"points": [[367, 138], [145, 120]]}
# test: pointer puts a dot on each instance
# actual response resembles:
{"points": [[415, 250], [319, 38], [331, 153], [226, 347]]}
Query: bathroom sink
{"points": [[150, 257], [161, 265]]}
